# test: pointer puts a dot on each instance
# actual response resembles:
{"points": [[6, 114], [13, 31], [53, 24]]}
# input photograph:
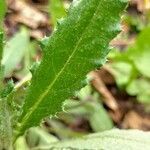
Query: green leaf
{"points": [[62, 131], [140, 88], [1, 68], [108, 140], [2, 9], [89, 107], [127, 67], [139, 53], [2, 12], [122, 71], [21, 144], [7, 90], [99, 118], [57, 10], [78, 44], [14, 51], [37, 136], [1, 46]]}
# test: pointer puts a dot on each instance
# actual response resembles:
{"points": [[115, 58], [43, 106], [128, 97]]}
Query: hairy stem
{"points": [[5, 126]]}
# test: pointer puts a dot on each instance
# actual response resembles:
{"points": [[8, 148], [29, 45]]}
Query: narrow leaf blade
{"points": [[80, 41]]}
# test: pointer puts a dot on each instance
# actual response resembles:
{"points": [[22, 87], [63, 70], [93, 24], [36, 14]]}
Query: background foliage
{"points": [[118, 97]]}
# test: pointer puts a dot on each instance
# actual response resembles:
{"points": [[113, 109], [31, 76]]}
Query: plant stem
{"points": [[5, 126]]}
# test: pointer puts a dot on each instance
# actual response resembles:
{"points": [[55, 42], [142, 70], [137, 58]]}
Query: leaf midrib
{"points": [[25, 118]]}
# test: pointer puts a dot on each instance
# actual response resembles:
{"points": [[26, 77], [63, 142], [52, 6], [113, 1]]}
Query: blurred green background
{"points": [[118, 97]]}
